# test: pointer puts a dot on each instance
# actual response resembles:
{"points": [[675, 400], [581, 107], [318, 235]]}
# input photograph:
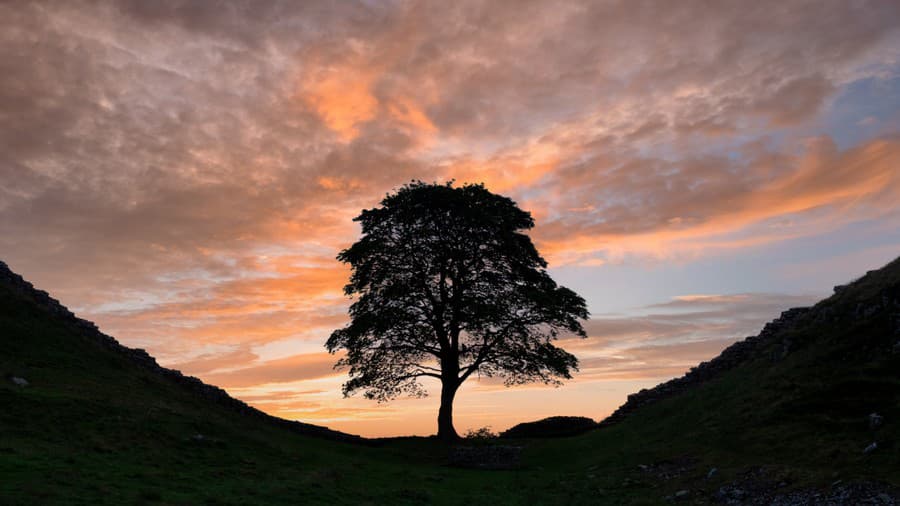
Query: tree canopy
{"points": [[446, 285]]}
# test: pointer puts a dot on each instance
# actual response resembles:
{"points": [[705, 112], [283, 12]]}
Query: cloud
{"points": [[178, 128], [654, 205], [752, 304], [184, 173], [284, 370], [664, 340], [651, 362], [213, 361], [285, 299]]}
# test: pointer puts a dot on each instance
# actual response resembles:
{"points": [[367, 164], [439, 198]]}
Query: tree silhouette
{"points": [[447, 285]]}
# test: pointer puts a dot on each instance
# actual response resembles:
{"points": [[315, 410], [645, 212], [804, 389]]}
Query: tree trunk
{"points": [[445, 415]]}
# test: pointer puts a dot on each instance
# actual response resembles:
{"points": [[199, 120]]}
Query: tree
{"points": [[446, 286]]}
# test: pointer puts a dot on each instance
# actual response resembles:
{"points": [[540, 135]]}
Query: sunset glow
{"points": [[184, 174]]}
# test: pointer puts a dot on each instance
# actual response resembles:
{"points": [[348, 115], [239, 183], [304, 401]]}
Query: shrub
{"points": [[480, 434]]}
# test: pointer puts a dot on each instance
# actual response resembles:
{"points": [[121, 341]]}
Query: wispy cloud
{"points": [[664, 340]]}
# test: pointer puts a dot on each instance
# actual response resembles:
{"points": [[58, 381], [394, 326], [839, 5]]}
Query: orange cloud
{"points": [[284, 370], [212, 362], [343, 95], [342, 98], [821, 188], [408, 113], [286, 299]]}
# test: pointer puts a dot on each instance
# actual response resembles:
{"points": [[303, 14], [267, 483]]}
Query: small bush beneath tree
{"points": [[482, 434]]}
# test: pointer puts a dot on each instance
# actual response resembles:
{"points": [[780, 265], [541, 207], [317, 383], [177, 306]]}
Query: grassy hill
{"points": [[781, 415]]}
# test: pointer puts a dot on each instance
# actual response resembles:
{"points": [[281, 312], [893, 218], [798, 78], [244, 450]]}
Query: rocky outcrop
{"points": [[140, 358], [763, 486]]}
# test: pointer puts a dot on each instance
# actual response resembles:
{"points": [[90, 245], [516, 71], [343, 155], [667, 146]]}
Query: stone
{"points": [[681, 494], [875, 421], [22, 382], [712, 472], [871, 448]]}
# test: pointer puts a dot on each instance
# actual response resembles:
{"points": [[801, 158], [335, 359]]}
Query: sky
{"points": [[184, 173]]}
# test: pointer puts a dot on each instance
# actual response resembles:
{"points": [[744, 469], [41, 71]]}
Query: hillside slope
{"points": [[23, 300], [811, 403], [847, 345]]}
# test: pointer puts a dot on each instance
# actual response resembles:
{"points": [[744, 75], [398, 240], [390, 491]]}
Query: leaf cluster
{"points": [[447, 284]]}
